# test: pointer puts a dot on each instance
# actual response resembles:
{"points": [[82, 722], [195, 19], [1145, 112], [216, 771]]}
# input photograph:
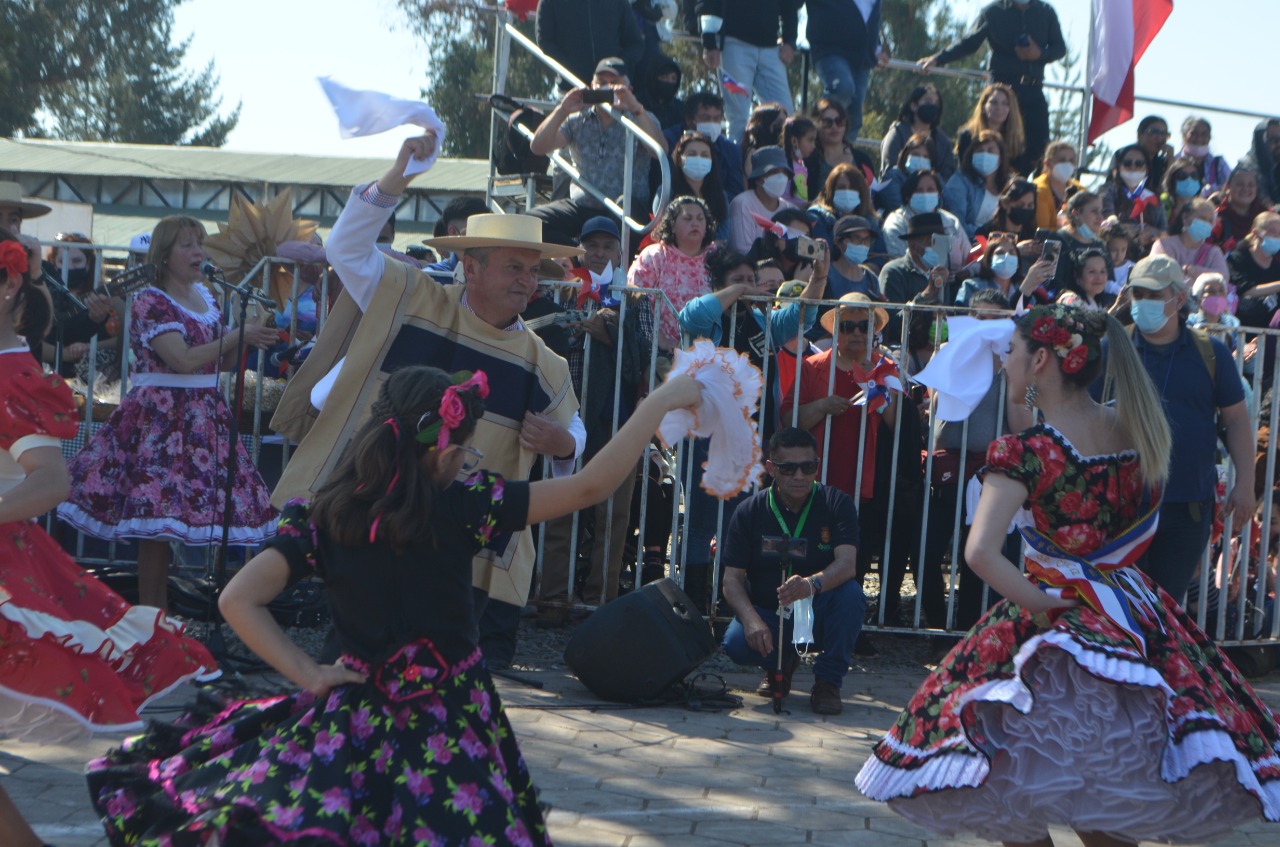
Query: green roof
{"points": [[211, 164]]}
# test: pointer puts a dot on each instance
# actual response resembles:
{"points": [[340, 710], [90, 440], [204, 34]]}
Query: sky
{"points": [[269, 53]]}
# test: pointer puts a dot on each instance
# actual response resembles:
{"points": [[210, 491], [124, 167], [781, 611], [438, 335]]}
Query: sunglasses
{"points": [[790, 468], [854, 326], [1010, 237], [1134, 163], [1155, 130], [833, 121]]}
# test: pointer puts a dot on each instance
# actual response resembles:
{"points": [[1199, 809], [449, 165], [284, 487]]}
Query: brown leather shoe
{"points": [[790, 661], [825, 698]]}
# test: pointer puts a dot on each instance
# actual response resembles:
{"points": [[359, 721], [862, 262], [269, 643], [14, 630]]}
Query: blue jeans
{"points": [[837, 620], [759, 70], [1178, 545], [840, 82]]}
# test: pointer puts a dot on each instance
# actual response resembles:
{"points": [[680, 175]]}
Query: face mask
{"points": [[78, 278], [795, 232], [1271, 245], [930, 258], [1148, 315], [1214, 304], [846, 200], [927, 112], [986, 163], [1198, 150], [918, 163], [1084, 232], [1199, 229], [1187, 188], [1018, 216], [1133, 178], [776, 184], [1005, 265], [696, 167], [1063, 171], [709, 129], [924, 202], [664, 89], [856, 253]]}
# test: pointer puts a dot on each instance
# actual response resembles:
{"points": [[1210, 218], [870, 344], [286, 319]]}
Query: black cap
{"points": [[926, 223], [851, 223]]}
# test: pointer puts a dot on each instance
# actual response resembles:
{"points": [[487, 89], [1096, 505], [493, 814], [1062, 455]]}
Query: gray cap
{"points": [[1156, 273], [766, 159]]}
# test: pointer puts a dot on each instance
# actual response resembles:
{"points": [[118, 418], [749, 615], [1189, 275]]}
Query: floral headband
{"points": [[436, 426], [1061, 328], [13, 259]]}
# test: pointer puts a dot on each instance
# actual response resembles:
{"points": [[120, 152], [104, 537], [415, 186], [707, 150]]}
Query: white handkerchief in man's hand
{"points": [[371, 112]]}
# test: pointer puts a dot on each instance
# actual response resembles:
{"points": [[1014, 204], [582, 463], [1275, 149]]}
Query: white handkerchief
{"points": [[371, 112], [960, 372]]}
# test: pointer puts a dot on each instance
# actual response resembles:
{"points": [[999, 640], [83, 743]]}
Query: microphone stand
{"points": [[216, 641]]}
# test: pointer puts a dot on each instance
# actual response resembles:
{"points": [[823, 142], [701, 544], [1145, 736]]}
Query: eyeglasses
{"points": [[1010, 237], [847, 327], [791, 468], [1134, 163], [833, 122], [473, 458], [1155, 130]]}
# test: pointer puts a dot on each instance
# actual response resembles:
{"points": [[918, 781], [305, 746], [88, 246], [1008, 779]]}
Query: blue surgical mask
{"points": [[696, 167], [856, 253], [846, 200], [918, 163], [1082, 229], [1148, 315], [1004, 265], [930, 258], [1199, 229], [986, 163], [1271, 245], [1187, 188], [925, 201]]}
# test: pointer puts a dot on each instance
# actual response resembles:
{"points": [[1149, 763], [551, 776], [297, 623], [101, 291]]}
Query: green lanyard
{"points": [[804, 515]]}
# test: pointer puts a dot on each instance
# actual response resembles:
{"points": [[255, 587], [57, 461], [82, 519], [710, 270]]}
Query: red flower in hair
{"points": [[1075, 360], [13, 259], [1043, 330]]}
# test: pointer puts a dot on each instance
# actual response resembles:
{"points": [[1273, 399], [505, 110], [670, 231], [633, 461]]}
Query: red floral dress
{"points": [[1066, 721], [74, 656]]}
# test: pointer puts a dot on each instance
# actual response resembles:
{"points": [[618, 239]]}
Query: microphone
{"points": [[210, 270]]}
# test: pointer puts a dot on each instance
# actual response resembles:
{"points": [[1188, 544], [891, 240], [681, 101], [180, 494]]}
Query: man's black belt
{"points": [[1034, 81]]}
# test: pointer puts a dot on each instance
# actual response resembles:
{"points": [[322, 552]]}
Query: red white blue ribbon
{"points": [[875, 391]]}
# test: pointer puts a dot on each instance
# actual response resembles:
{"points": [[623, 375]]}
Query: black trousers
{"points": [[1035, 123]]}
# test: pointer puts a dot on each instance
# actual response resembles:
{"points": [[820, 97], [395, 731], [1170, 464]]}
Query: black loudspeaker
{"points": [[635, 648]]}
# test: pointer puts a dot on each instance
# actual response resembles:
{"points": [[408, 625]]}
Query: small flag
{"points": [[588, 289], [875, 391], [772, 226], [732, 86]]}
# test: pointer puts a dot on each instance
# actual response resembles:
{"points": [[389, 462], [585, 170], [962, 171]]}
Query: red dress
{"points": [[1067, 719], [74, 656]]}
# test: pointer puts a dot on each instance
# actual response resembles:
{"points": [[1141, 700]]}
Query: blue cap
{"points": [[600, 223]]}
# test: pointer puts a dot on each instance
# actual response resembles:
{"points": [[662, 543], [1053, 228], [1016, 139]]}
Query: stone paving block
{"points": [[862, 838], [701, 809], [640, 824], [750, 832], [718, 776], [584, 836], [649, 789], [897, 825], [586, 802], [813, 817]]}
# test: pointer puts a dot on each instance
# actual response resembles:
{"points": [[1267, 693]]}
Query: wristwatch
{"points": [[816, 582]]}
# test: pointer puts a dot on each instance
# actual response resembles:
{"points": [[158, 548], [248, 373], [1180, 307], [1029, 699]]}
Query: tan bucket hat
{"points": [[855, 300], [11, 195], [520, 231]]}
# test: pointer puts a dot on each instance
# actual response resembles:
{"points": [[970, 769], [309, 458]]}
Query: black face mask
{"points": [[665, 90], [928, 112], [1020, 216], [78, 279]]}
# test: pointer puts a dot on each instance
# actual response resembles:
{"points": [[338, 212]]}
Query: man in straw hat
{"points": [[391, 315], [14, 208]]}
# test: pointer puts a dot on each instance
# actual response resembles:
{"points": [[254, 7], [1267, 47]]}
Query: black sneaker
{"points": [[864, 646]]}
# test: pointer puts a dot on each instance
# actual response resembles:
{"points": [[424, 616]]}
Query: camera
{"points": [[808, 249], [597, 95]]}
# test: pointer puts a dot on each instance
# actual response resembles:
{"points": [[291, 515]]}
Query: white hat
{"points": [[520, 231], [140, 243]]}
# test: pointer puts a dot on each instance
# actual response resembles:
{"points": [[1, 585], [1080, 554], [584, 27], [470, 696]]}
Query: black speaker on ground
{"points": [[638, 646]]}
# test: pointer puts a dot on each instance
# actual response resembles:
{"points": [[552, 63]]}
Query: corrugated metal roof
{"points": [[145, 161]]}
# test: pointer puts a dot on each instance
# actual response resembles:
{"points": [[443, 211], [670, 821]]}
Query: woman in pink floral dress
{"points": [[157, 470], [1088, 698], [674, 263]]}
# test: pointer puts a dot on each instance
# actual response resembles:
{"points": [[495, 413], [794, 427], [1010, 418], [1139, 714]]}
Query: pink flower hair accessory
{"points": [[436, 426]]}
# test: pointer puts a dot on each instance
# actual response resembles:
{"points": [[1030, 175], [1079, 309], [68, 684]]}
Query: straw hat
{"points": [[11, 195], [855, 300], [520, 231]]}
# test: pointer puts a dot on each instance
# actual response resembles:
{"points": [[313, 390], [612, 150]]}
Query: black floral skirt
{"points": [[420, 754]]}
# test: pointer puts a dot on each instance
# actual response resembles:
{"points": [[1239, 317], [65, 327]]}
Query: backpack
{"points": [[512, 153]]}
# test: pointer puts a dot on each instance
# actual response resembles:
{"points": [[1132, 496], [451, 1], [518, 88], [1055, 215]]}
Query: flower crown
{"points": [[1062, 329], [13, 259], [436, 426]]}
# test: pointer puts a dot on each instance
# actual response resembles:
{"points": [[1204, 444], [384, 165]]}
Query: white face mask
{"points": [[775, 185], [1133, 178], [696, 167], [709, 129], [1063, 171], [845, 200]]}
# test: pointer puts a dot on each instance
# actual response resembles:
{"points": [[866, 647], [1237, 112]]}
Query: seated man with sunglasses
{"points": [[794, 540]]}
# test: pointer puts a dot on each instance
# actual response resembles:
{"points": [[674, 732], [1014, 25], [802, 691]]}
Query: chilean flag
{"points": [[732, 86], [1122, 30], [771, 225], [875, 391]]}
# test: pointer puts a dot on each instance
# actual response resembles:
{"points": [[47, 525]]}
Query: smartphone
{"points": [[1024, 40], [808, 248], [597, 95], [1052, 250], [1043, 234]]}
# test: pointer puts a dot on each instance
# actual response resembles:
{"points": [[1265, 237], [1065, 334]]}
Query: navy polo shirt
{"points": [[1191, 403], [756, 543]]}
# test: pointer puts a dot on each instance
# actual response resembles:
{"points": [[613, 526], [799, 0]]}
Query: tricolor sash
{"points": [[1104, 581]]}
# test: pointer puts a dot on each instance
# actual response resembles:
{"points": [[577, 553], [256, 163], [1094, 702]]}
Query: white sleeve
{"points": [[352, 250], [564, 467]]}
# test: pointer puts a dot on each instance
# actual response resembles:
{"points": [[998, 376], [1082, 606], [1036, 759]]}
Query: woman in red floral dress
{"points": [[73, 655], [1088, 698]]}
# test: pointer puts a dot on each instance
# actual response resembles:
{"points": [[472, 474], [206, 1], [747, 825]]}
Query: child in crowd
{"points": [[799, 138], [1118, 238], [404, 740]]}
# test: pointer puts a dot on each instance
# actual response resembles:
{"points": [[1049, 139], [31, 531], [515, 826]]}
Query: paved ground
{"points": [[641, 777]]}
